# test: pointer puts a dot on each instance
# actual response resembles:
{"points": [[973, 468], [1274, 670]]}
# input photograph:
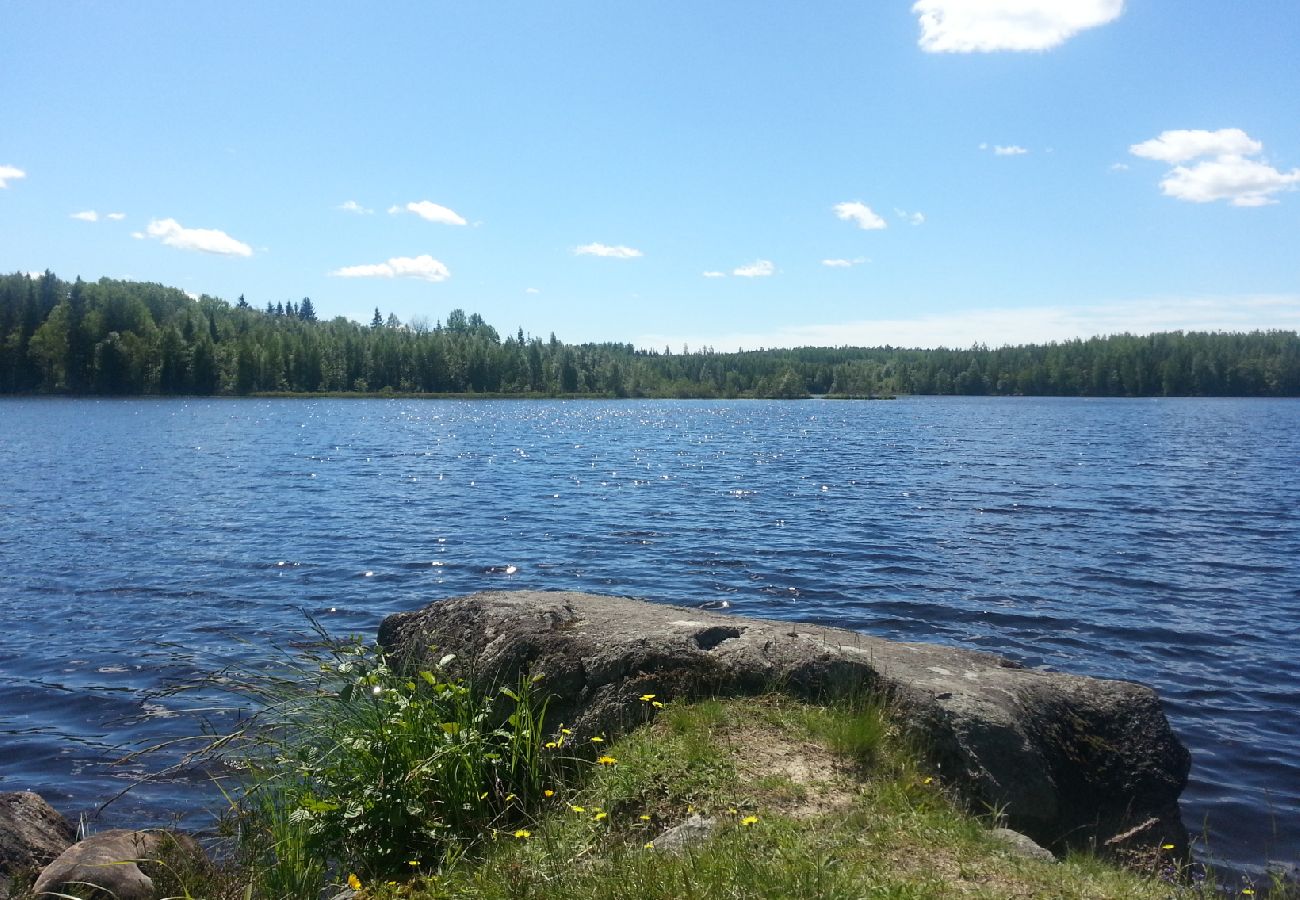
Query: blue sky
{"points": [[726, 174]]}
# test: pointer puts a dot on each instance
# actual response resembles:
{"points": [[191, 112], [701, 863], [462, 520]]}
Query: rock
{"points": [[108, 864], [692, 832], [31, 834], [1069, 761], [1022, 845]]}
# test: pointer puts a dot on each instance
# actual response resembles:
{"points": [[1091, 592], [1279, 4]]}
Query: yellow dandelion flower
{"points": [[599, 816], [1248, 891], [354, 882], [598, 740], [926, 780], [551, 745], [565, 731], [607, 761], [1166, 846], [656, 704], [412, 862], [510, 797], [644, 818], [647, 697], [523, 833], [548, 793], [649, 845], [749, 820], [578, 808]]}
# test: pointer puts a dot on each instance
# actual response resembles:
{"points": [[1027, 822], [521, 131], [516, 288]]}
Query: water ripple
{"points": [[1157, 541]]}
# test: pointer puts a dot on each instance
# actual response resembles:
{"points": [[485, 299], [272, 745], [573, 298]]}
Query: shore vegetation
{"points": [[126, 338]]}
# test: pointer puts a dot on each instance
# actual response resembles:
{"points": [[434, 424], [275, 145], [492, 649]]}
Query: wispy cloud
{"points": [[984, 26], [206, 240], [844, 263], [10, 173], [914, 218], [860, 214], [1009, 150], [531, 290], [431, 212], [606, 250], [759, 268], [714, 273], [1007, 326], [353, 206], [424, 268], [89, 215], [1222, 172]]}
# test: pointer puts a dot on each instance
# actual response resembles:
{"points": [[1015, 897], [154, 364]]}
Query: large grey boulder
{"points": [[108, 864], [1068, 760], [31, 834]]}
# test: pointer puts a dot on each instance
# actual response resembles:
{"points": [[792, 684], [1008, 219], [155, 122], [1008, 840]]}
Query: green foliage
{"points": [[120, 337], [354, 768]]}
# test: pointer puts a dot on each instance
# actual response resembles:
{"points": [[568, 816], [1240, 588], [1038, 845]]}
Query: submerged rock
{"points": [[1069, 761]]}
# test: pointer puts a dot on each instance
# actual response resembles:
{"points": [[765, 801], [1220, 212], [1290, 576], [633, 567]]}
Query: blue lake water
{"points": [[1152, 540]]}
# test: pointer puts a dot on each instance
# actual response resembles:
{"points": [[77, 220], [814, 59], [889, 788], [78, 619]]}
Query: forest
{"points": [[134, 338]]}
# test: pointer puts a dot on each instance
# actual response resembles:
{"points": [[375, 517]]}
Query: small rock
{"points": [[695, 830], [31, 834], [105, 865], [1022, 845]]}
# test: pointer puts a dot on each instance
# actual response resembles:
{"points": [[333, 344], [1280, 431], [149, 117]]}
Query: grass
{"points": [[806, 801]]}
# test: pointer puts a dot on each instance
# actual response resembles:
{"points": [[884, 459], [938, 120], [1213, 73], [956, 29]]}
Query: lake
{"points": [[1151, 540]]}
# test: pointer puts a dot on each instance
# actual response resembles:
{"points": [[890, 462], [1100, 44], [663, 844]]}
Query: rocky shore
{"points": [[1068, 761]]}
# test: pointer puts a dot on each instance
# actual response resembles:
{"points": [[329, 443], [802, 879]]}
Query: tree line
{"points": [[129, 338]]}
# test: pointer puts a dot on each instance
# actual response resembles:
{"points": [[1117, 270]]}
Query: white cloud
{"points": [[597, 249], [1005, 326], [714, 273], [1182, 145], [353, 206], [531, 291], [1009, 150], [432, 212], [116, 217], [915, 218], [423, 267], [207, 240], [191, 295], [1225, 175], [10, 173], [1119, 167], [760, 268], [844, 263], [138, 235], [856, 211], [966, 26], [88, 215], [1243, 182]]}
